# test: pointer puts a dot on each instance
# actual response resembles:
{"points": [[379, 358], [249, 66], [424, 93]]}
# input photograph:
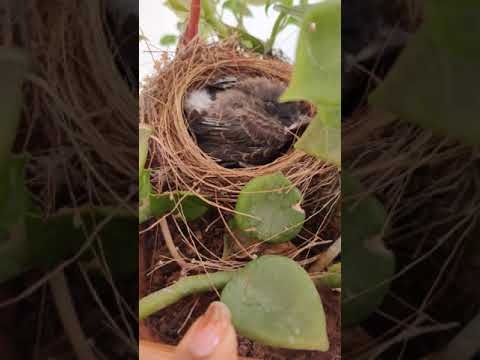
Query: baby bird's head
{"points": [[265, 95]]}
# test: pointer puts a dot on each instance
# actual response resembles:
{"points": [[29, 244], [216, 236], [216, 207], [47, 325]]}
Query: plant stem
{"points": [[68, 316], [210, 18], [327, 257], [275, 30], [192, 27], [332, 280], [160, 299], [224, 31], [167, 236]]}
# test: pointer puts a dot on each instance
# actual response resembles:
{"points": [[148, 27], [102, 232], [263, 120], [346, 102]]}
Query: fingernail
{"points": [[209, 331]]}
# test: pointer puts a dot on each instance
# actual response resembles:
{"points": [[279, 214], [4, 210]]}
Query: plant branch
{"points": [[167, 236], [225, 31], [327, 257], [193, 21], [277, 27], [331, 279], [68, 316], [209, 16], [160, 299]]}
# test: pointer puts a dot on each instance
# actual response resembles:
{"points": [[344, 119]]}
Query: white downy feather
{"points": [[198, 100]]}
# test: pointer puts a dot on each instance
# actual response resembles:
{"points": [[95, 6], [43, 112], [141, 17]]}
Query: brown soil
{"points": [[169, 325]]}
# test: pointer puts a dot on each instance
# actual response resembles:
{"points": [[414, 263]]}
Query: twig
{"points": [[409, 334], [327, 257], [68, 316], [171, 245]]}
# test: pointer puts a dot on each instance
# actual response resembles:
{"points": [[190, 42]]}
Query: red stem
{"points": [[192, 27]]}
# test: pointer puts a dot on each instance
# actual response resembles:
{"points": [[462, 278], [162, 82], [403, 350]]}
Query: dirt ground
{"points": [[169, 325]]}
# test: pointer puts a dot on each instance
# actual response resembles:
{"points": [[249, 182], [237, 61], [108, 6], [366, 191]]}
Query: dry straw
{"points": [[180, 164], [428, 185]]}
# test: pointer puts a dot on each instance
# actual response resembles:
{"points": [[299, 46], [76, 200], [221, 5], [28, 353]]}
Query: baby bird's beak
{"points": [[301, 121]]}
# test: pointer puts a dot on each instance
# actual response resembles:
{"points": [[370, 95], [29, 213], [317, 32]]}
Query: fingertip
{"points": [[211, 337]]}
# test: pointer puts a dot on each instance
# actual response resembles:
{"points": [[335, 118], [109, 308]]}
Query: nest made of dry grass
{"points": [[180, 164]]}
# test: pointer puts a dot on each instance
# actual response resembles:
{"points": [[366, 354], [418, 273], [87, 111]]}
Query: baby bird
{"points": [[242, 123]]}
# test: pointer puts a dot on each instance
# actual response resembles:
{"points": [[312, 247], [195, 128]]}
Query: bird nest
{"points": [[180, 165]]}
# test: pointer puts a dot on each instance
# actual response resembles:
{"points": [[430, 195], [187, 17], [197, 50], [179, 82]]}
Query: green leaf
{"points": [[273, 301], [145, 190], [431, 83], [52, 240], [15, 258], [316, 77], [144, 133], [284, 3], [293, 21], [14, 65], [205, 30], [14, 201], [187, 205], [268, 209], [369, 264], [184, 204], [246, 43], [322, 141], [253, 42], [332, 278], [297, 12], [238, 7], [256, 2], [179, 7], [153, 205], [167, 40]]}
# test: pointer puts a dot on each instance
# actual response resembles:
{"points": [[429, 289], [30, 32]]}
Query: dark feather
{"points": [[245, 124]]}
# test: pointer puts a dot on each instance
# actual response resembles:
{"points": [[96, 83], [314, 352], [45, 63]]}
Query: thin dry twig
{"points": [[167, 236]]}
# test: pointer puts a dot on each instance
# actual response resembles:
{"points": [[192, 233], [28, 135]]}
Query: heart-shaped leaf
{"points": [[322, 141], [52, 240], [369, 265], [273, 301], [151, 205], [268, 209], [431, 83], [13, 206], [316, 77], [186, 205]]}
